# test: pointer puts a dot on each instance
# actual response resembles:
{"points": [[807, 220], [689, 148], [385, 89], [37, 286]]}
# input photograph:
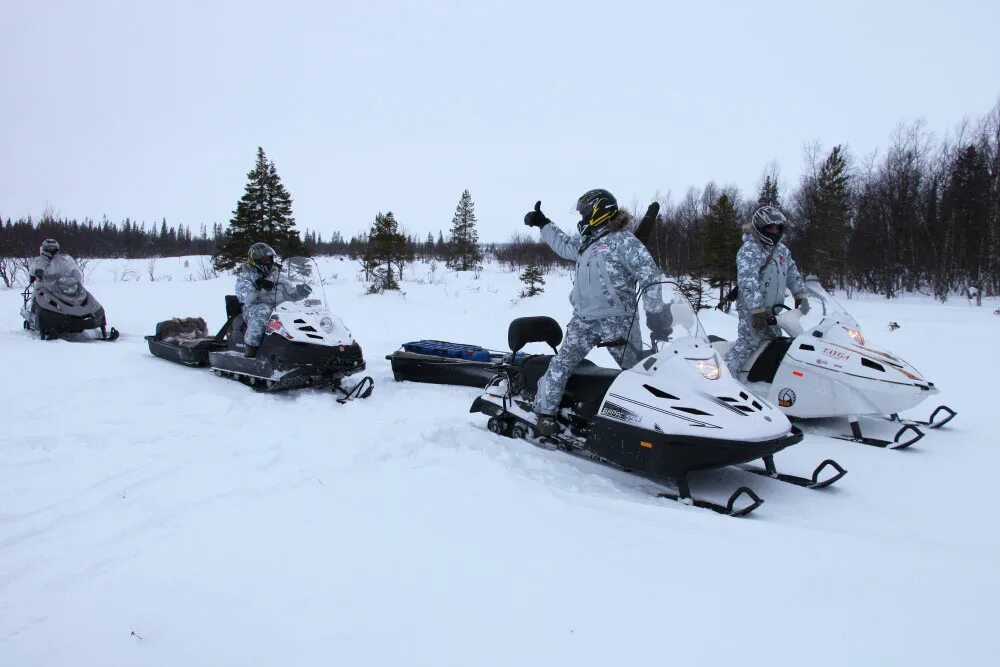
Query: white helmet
{"points": [[49, 247], [763, 218]]}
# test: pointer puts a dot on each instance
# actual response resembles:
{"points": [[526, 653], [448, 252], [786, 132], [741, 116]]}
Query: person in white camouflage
{"points": [[260, 287], [610, 263], [36, 270], [764, 269]]}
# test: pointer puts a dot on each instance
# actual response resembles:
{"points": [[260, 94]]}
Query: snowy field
{"points": [[152, 514]]}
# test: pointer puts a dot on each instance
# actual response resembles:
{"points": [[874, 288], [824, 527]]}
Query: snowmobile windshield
{"points": [[676, 320], [826, 305], [62, 269], [300, 280]]}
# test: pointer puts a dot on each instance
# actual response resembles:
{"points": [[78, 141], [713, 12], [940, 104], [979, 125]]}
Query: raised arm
{"points": [[562, 243]]}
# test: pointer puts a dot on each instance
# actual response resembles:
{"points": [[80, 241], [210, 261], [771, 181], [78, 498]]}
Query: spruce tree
{"points": [[263, 213], [720, 240], [828, 229], [769, 193], [533, 278], [464, 253], [387, 251], [965, 211]]}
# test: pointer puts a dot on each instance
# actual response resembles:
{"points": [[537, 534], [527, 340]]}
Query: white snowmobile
{"points": [[304, 344], [676, 410], [60, 304], [830, 370]]}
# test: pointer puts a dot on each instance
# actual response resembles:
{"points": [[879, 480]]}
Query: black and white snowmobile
{"points": [[304, 344], [60, 304], [675, 411], [830, 370]]}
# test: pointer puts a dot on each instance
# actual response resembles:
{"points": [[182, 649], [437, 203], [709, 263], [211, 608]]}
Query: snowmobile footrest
{"points": [[934, 422], [813, 482], [728, 509]]}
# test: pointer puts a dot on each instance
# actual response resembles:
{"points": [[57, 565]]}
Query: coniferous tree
{"points": [[965, 212], [533, 278], [264, 213], [769, 193], [720, 236], [464, 253], [387, 251], [827, 227]]}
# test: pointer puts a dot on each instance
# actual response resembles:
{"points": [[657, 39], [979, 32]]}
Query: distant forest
{"points": [[922, 215]]}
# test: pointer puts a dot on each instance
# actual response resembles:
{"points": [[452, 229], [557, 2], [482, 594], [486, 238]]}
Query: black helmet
{"points": [[597, 208], [261, 257], [763, 218], [49, 247]]}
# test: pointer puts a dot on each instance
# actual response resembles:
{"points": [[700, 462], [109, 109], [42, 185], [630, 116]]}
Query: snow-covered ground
{"points": [[152, 514]]}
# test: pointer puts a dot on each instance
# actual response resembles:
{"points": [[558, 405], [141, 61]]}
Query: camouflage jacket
{"points": [[248, 294], [608, 271], [37, 267], [763, 286]]}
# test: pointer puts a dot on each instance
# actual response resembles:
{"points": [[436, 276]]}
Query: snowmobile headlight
{"points": [[326, 324], [709, 368], [858, 337]]}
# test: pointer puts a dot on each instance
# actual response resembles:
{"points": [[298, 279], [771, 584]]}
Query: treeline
{"points": [[921, 216], [106, 239]]}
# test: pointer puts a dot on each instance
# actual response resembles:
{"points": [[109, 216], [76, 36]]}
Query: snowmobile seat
{"points": [[765, 367], [588, 384], [526, 330], [233, 306]]}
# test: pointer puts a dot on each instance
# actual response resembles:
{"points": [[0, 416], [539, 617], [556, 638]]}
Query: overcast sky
{"points": [[152, 110]]}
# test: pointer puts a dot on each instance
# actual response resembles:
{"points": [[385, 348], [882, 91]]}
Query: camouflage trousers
{"points": [[582, 337], [747, 343], [256, 317]]}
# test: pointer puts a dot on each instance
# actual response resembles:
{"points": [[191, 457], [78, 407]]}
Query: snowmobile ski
{"points": [[814, 482], [899, 441], [933, 422], [363, 389]]}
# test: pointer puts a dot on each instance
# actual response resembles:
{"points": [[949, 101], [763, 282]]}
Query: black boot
{"points": [[547, 425], [250, 352]]}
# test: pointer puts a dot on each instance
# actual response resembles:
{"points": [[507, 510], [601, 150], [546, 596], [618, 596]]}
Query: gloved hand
{"points": [[802, 303], [37, 275], [536, 218], [759, 319], [263, 283], [302, 291], [645, 227], [660, 324]]}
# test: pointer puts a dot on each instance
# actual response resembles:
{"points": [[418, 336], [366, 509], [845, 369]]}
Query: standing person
{"points": [[764, 269], [610, 263], [48, 250], [259, 287]]}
